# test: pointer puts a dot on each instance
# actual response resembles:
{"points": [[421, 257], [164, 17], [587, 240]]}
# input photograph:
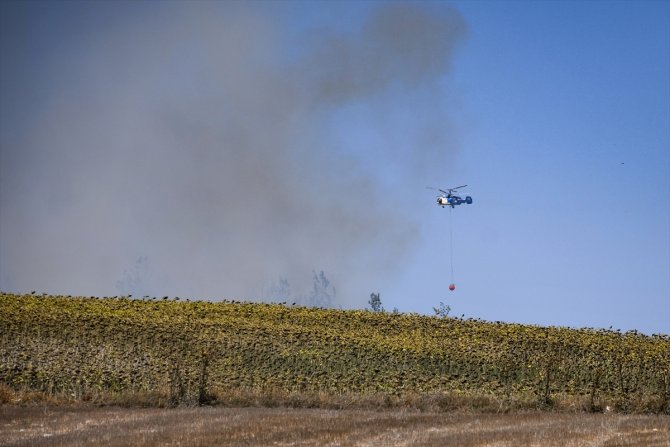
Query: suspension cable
{"points": [[451, 242]]}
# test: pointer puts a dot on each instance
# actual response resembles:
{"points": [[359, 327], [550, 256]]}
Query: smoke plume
{"points": [[204, 144]]}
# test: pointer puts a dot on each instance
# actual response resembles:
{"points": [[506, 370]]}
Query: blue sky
{"points": [[205, 140], [555, 96]]}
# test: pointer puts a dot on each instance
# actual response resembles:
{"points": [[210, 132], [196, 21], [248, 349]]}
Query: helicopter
{"points": [[448, 198]]}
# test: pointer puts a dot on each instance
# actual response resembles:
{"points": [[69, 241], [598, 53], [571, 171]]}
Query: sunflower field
{"points": [[196, 352]]}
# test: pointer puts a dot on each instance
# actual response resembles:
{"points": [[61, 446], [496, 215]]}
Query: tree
{"points": [[376, 302], [442, 310], [323, 294], [279, 291]]}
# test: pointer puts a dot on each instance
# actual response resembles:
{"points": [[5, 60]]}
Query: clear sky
{"points": [[211, 149]]}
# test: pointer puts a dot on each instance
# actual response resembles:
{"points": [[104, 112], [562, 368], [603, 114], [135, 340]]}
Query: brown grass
{"points": [[113, 426], [424, 402]]}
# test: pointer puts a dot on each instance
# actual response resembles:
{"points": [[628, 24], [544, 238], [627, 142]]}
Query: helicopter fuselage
{"points": [[452, 201]]}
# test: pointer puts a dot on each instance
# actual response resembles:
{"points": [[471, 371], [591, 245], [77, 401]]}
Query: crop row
{"points": [[80, 345]]}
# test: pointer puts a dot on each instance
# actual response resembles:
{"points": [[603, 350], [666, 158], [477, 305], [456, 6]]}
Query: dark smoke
{"points": [[400, 43], [184, 138]]}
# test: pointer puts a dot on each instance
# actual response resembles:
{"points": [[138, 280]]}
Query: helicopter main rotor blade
{"points": [[448, 191], [437, 189]]}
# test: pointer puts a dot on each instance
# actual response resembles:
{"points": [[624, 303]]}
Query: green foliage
{"points": [[189, 351], [375, 302], [442, 310]]}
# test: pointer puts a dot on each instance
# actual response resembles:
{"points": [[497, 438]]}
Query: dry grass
{"points": [[113, 426], [417, 402]]}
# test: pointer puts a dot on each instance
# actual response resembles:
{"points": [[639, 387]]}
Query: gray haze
{"points": [[190, 149]]}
